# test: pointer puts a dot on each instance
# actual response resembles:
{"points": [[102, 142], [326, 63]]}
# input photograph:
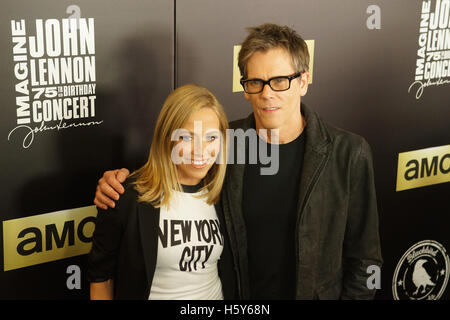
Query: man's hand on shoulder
{"points": [[110, 187]]}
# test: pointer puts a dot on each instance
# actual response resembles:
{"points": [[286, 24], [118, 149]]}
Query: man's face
{"points": [[272, 109]]}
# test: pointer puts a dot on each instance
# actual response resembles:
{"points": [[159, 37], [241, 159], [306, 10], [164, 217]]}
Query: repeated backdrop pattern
{"points": [[82, 82]]}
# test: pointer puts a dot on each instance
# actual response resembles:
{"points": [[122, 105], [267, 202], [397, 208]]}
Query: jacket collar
{"points": [[317, 135], [317, 141]]}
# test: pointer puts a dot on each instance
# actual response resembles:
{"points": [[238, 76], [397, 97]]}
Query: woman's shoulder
{"points": [[129, 196]]}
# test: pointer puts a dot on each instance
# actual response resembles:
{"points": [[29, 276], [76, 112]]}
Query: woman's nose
{"points": [[198, 147]]}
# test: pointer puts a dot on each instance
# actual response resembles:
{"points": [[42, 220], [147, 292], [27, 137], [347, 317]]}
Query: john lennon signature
{"points": [[29, 132], [422, 85]]}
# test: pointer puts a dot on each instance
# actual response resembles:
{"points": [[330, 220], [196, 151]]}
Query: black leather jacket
{"points": [[337, 235]]}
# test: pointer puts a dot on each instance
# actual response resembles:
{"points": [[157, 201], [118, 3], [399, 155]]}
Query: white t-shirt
{"points": [[189, 245]]}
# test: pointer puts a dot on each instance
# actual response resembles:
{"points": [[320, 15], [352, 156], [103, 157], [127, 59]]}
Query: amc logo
{"points": [[423, 167], [48, 237]]}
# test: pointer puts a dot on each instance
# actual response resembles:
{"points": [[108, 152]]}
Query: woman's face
{"points": [[197, 146]]}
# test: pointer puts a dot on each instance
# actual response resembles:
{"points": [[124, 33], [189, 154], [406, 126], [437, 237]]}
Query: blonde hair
{"points": [[269, 36], [158, 178]]}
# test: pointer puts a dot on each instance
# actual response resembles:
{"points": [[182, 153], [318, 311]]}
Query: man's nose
{"points": [[267, 91]]}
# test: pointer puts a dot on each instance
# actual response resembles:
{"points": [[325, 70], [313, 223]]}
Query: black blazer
{"points": [[125, 247]]}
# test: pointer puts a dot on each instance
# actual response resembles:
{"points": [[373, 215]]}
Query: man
{"points": [[310, 231]]}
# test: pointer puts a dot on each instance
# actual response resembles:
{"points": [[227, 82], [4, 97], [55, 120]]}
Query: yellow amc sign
{"points": [[48, 237], [237, 74], [423, 167]]}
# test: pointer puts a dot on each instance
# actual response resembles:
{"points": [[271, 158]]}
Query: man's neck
{"points": [[282, 135]]}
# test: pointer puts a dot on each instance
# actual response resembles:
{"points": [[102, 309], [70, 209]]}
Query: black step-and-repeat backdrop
{"points": [[82, 82]]}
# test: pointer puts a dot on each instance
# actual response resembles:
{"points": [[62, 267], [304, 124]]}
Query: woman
{"points": [[163, 238]]}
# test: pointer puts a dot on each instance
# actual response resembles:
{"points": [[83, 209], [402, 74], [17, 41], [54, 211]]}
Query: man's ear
{"points": [[304, 81]]}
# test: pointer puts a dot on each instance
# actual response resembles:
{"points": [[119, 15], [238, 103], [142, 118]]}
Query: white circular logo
{"points": [[422, 272]]}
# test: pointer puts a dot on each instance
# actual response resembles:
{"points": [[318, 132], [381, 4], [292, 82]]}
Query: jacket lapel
{"points": [[316, 153], [234, 189], [148, 221]]}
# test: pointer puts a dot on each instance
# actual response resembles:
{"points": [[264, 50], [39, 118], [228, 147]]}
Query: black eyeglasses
{"points": [[281, 83]]}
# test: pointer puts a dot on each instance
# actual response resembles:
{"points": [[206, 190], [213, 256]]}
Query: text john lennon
{"points": [[55, 74]]}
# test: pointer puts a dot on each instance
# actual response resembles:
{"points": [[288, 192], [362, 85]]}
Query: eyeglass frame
{"points": [[264, 82]]}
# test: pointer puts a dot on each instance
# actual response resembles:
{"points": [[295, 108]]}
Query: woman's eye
{"points": [[186, 138], [212, 138]]}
